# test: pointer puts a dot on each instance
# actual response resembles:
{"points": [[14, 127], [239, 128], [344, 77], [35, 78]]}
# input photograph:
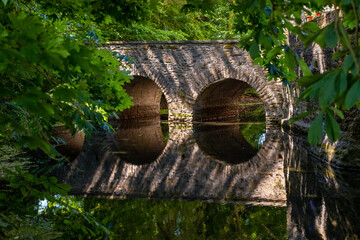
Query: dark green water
{"points": [[164, 219]]}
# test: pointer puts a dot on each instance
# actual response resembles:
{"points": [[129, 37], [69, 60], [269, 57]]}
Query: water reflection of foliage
{"points": [[144, 219], [252, 113], [165, 131], [254, 133]]}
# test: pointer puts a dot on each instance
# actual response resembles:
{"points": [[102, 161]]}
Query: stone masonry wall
{"points": [[183, 69]]}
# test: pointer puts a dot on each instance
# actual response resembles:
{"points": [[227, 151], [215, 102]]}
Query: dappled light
{"points": [[188, 167]]}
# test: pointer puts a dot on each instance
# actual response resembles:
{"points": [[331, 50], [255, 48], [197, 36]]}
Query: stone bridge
{"points": [[200, 80]]}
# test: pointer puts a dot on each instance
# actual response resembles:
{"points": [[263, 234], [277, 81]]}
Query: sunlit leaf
{"points": [[273, 52], [304, 67], [301, 116], [338, 112]]}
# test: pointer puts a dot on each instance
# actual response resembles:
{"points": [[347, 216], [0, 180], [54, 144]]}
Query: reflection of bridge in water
{"points": [[134, 161], [322, 203]]}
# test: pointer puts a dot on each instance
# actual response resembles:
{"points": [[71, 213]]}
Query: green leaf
{"points": [[332, 128], [353, 95], [66, 187], [301, 116], [264, 41], [8, 172], [67, 222], [5, 1], [316, 129], [348, 62], [304, 94], [346, 2], [319, 38], [304, 67], [3, 224], [273, 52], [331, 38], [306, 81], [341, 82], [311, 26], [338, 112], [327, 89], [35, 142], [23, 191], [290, 60], [53, 179], [338, 54], [254, 50]]}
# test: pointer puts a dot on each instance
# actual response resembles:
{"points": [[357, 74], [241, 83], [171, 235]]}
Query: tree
{"points": [[264, 25], [53, 70], [173, 20]]}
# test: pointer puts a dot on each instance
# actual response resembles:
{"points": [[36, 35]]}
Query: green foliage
{"points": [[173, 20], [53, 70], [254, 133], [68, 216], [252, 113], [165, 131], [49, 75], [22, 216], [144, 32], [264, 25]]}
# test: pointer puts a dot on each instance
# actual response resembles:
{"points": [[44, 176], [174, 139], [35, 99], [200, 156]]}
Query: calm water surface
{"points": [[152, 180]]}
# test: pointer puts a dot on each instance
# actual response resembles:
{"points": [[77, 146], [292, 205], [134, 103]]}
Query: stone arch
{"points": [[220, 100], [146, 95], [184, 69], [234, 81]]}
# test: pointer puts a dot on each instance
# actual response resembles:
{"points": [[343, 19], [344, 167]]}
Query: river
{"points": [[154, 180]]}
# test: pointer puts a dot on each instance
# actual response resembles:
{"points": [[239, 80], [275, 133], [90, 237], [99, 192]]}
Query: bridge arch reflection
{"points": [[182, 170]]}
